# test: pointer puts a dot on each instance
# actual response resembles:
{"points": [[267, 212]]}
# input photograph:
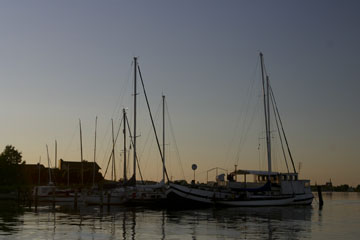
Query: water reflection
{"points": [[10, 214], [143, 223], [264, 223]]}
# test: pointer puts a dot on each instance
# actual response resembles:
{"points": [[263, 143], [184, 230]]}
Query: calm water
{"points": [[339, 219]]}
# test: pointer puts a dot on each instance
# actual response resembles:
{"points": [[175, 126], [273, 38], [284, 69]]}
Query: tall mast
{"points": [[266, 111], [134, 135], [124, 132], [163, 102], [268, 121], [81, 155], [93, 180]]}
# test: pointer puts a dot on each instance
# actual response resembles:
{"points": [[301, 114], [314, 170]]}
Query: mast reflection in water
{"points": [[336, 219]]}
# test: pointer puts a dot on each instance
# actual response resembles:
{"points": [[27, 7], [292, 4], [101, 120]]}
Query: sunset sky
{"points": [[61, 61]]}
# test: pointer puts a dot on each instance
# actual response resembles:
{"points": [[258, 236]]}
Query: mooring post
{"points": [[36, 198], [108, 200], [101, 198], [53, 198], [18, 195], [75, 198], [321, 202], [28, 195]]}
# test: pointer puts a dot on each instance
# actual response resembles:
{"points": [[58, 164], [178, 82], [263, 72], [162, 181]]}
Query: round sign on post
{"points": [[194, 167]]}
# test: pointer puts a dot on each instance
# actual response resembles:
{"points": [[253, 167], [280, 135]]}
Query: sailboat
{"points": [[269, 188], [51, 193], [144, 193], [130, 191], [115, 195]]}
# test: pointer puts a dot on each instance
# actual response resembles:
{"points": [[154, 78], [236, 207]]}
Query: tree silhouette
{"points": [[10, 160], [11, 156]]}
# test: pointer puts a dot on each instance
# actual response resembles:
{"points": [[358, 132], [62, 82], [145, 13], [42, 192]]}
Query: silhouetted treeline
{"points": [[340, 188]]}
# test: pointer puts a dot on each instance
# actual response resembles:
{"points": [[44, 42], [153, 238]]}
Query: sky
{"points": [[61, 61]]}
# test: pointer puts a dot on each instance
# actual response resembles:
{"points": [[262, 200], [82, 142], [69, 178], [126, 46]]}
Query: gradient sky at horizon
{"points": [[61, 61]]}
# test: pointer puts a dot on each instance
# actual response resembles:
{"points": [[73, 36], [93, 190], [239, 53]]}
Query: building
{"points": [[76, 172]]}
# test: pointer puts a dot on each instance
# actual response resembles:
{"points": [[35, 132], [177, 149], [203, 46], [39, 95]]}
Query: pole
{"points": [[163, 98], [55, 154], [113, 175], [235, 173], [39, 172], [266, 112], [94, 152], [81, 155], [134, 135], [321, 202], [47, 150], [68, 174], [268, 122], [124, 132]]}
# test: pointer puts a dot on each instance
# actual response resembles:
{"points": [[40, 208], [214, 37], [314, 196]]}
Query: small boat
{"points": [[50, 193]]}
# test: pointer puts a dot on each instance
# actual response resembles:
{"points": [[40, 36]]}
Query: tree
{"points": [[10, 159], [11, 156]]}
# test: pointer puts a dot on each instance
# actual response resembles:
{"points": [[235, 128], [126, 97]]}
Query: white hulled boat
{"points": [[268, 188]]}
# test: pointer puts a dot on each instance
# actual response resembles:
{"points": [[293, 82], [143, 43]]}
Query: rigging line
{"points": [[283, 131], [136, 157], [280, 137], [247, 103], [251, 121], [120, 100], [152, 121], [71, 141], [148, 134], [278, 130], [149, 147], [174, 139], [117, 135], [51, 170]]}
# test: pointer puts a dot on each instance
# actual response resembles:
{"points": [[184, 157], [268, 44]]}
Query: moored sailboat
{"points": [[268, 188]]}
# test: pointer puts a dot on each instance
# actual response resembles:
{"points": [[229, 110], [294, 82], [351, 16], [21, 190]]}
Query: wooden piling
{"points": [[108, 200], [321, 202], [101, 198], [53, 198], [76, 198], [29, 198], [36, 198]]}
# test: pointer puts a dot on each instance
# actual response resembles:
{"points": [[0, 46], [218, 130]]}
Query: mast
{"points": [[163, 102], [39, 171], [124, 132], [55, 154], [47, 150], [268, 121], [93, 180], [81, 155], [134, 135], [113, 173], [266, 111]]}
